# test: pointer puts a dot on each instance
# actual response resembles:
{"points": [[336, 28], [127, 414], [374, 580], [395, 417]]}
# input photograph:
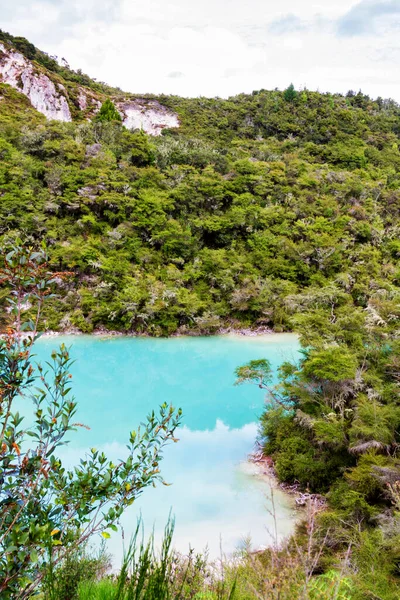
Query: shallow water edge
{"points": [[241, 331]]}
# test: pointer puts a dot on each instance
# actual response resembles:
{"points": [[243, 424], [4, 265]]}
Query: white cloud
{"points": [[30, 20], [218, 47], [369, 16], [292, 42]]}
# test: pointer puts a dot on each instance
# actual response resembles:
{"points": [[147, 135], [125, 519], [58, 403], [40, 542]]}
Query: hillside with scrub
{"points": [[276, 210], [238, 217]]}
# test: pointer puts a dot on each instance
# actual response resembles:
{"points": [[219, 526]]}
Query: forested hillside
{"points": [[254, 206]]}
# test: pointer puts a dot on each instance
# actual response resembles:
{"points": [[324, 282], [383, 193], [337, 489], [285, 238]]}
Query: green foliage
{"points": [[364, 477], [108, 112], [256, 371], [24, 46], [377, 568], [236, 219], [331, 425], [350, 504], [332, 364], [290, 93], [331, 585], [48, 511], [148, 574], [62, 582]]}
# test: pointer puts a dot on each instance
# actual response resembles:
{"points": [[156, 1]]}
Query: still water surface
{"points": [[216, 497]]}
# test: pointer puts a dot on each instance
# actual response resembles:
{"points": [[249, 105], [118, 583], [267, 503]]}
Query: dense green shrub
{"points": [[80, 567], [108, 112]]}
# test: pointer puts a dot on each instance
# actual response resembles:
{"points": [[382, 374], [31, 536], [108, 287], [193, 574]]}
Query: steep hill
{"points": [[238, 216]]}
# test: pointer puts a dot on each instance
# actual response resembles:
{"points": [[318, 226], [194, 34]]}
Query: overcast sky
{"points": [[219, 47]]}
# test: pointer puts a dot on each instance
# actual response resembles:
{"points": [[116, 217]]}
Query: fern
{"points": [[331, 586]]}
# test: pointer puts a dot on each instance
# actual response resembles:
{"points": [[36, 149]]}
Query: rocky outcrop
{"points": [[43, 94], [82, 100], [148, 115], [151, 116], [87, 101], [50, 98]]}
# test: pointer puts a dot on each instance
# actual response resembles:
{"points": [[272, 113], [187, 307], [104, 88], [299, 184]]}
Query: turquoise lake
{"points": [[217, 497]]}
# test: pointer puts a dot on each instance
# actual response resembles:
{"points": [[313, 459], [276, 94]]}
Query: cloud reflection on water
{"points": [[217, 498]]}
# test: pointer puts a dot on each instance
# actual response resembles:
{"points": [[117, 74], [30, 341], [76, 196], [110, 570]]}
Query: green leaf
{"points": [[34, 556]]}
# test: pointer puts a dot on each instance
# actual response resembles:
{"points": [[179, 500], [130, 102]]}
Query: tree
{"points": [[108, 112], [256, 371], [47, 511], [290, 93]]}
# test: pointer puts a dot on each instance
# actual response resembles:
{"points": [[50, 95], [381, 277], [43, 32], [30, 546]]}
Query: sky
{"points": [[219, 47]]}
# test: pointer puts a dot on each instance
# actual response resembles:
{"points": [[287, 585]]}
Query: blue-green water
{"points": [[216, 496]]}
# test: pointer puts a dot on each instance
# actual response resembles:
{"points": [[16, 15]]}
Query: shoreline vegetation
{"points": [[266, 469], [242, 331]]}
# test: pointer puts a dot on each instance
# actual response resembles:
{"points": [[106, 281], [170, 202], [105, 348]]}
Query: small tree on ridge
{"points": [[108, 112]]}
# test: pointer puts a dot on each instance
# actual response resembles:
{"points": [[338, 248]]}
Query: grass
{"points": [[148, 574], [293, 570]]}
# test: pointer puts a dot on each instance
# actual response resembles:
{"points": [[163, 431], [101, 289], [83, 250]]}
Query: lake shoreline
{"points": [[243, 331], [265, 468]]}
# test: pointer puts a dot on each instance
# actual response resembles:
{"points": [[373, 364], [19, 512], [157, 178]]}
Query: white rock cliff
{"points": [[150, 116], [18, 72]]}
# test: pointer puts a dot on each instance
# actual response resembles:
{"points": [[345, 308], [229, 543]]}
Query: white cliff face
{"points": [[150, 116], [51, 99], [18, 72]]}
